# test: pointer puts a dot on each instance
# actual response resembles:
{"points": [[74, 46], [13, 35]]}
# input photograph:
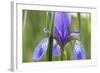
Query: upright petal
{"points": [[79, 51], [62, 24], [40, 50]]}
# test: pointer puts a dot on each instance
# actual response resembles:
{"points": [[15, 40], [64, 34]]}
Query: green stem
{"points": [[79, 23], [47, 22], [62, 54], [79, 19], [50, 44], [50, 48]]}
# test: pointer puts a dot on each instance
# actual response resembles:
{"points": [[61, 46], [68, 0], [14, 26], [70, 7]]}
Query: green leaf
{"points": [[69, 50], [85, 32], [50, 45]]}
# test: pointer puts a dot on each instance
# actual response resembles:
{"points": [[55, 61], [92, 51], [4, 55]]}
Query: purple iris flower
{"points": [[41, 49], [62, 34], [62, 25], [79, 51]]}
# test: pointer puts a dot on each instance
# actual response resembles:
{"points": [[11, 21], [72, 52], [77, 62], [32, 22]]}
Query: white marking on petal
{"points": [[44, 43], [77, 45], [75, 33]]}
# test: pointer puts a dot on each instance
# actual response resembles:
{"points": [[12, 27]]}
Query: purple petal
{"points": [[61, 28], [40, 50], [56, 49], [79, 51]]}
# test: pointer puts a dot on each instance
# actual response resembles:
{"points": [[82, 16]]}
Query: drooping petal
{"points": [[56, 49], [62, 24], [40, 50], [79, 51]]}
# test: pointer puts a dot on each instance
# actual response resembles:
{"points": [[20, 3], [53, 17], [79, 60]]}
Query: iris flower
{"points": [[62, 34]]}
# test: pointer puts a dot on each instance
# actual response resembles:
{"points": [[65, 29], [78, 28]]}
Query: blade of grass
{"points": [[47, 22], [85, 34], [50, 45]]}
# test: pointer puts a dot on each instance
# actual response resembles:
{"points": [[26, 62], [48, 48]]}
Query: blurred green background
{"points": [[35, 21]]}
